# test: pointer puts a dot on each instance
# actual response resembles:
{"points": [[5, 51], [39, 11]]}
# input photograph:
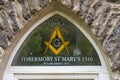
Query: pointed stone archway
{"points": [[76, 72]]}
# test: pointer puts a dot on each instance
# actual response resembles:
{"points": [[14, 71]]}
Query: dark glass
{"points": [[77, 49]]}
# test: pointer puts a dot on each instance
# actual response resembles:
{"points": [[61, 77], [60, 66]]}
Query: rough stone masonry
{"points": [[103, 17]]}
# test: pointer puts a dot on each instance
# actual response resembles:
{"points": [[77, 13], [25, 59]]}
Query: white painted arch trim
{"points": [[11, 70], [44, 19]]}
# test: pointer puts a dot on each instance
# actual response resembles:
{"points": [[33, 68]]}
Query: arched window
{"points": [[56, 47], [56, 42]]}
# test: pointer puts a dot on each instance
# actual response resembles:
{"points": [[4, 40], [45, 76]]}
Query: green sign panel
{"points": [[56, 42]]}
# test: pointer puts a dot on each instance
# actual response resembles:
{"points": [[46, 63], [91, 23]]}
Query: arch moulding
{"points": [[99, 73]]}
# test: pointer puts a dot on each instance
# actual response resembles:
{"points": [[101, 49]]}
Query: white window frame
{"points": [[56, 72]]}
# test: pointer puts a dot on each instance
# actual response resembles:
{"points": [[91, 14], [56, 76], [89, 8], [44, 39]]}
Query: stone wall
{"points": [[102, 16], [104, 19], [14, 14]]}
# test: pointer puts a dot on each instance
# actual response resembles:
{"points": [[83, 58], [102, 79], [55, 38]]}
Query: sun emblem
{"points": [[56, 43]]}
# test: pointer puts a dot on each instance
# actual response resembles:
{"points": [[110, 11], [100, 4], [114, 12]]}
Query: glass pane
{"points": [[56, 42]]}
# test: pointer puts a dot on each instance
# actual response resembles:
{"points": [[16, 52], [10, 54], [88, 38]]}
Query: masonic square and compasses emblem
{"points": [[56, 43]]}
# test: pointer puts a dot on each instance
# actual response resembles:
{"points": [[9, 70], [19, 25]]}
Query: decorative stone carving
{"points": [[25, 9], [1, 57], [35, 5], [1, 2], [25, 12], [67, 3], [1, 26], [81, 6], [3, 40], [21, 1], [10, 10], [8, 32], [1, 54], [114, 1], [92, 12], [116, 64], [43, 3]]}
